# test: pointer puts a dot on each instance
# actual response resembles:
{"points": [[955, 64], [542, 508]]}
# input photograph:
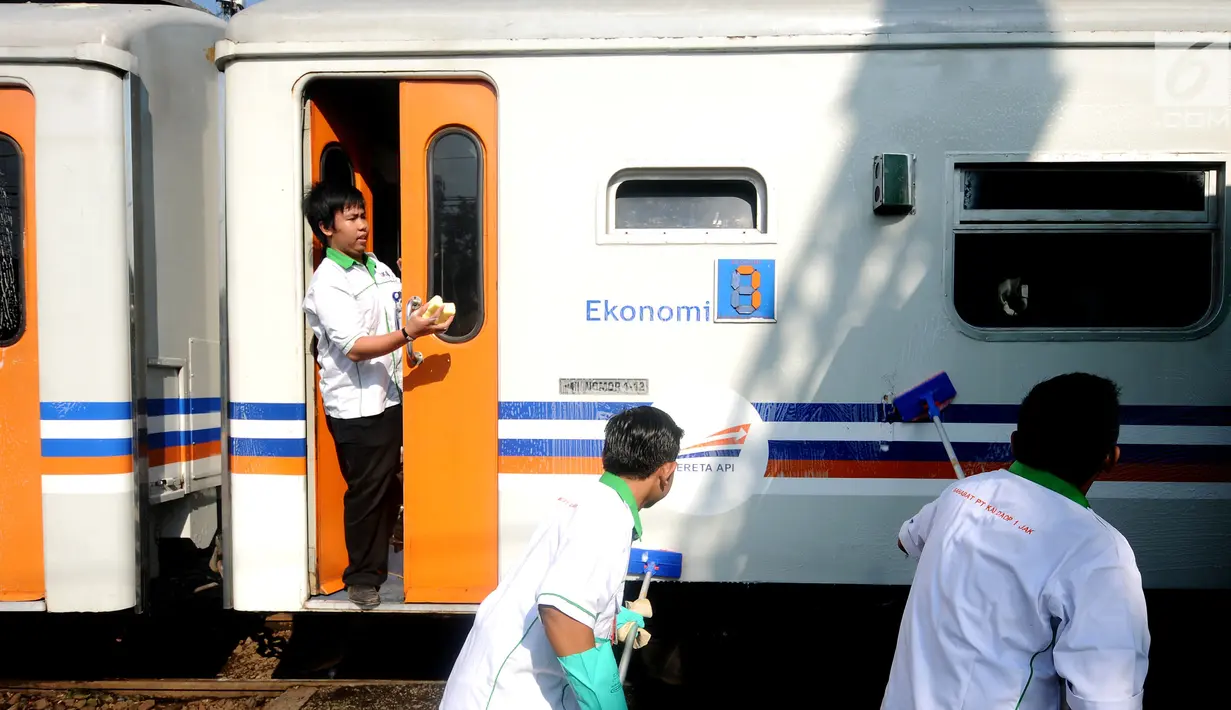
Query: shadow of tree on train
{"points": [[860, 294]]}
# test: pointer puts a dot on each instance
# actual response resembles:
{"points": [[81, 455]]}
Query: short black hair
{"points": [[639, 441], [1068, 426], [325, 200]]}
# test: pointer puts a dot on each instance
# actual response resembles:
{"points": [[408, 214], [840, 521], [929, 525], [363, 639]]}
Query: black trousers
{"points": [[368, 456]]}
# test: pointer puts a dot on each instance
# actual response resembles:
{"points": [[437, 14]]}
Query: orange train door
{"points": [[337, 158], [21, 503], [448, 182]]}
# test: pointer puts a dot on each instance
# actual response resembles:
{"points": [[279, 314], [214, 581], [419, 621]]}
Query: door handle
{"points": [[413, 358]]}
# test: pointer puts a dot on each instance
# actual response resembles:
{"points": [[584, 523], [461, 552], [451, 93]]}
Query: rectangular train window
{"points": [[1085, 250], [687, 205], [12, 287], [455, 228]]}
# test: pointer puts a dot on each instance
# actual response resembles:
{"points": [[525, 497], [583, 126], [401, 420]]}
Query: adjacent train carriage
{"points": [[767, 218], [110, 361]]}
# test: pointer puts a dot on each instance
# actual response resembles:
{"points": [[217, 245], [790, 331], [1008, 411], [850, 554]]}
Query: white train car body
{"points": [[110, 174], [767, 218]]}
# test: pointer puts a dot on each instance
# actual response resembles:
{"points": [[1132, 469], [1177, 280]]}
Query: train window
{"points": [[1105, 193], [683, 202], [1047, 250], [1064, 279], [12, 244], [455, 228], [686, 200], [336, 166]]}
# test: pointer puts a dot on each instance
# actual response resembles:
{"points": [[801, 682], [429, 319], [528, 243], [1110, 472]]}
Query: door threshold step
{"points": [[320, 604]]}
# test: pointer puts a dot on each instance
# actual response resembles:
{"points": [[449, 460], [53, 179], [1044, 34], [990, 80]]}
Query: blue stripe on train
{"points": [[194, 405], [83, 448], [102, 411], [268, 411], [277, 448], [184, 438], [1131, 415], [817, 450], [85, 411]]}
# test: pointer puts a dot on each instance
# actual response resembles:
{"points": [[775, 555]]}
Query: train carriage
{"points": [[767, 219], [110, 360], [909, 188]]}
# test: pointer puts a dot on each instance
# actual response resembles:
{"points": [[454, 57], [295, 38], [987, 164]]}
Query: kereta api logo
{"points": [[724, 451], [725, 443]]}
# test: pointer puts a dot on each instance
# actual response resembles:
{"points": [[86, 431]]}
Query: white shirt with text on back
{"points": [[576, 562], [1022, 595], [346, 301]]}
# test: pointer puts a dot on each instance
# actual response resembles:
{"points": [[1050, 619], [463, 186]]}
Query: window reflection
{"points": [[455, 242]]}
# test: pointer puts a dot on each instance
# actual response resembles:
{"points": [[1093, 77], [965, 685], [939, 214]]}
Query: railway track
{"points": [[195, 688], [268, 694]]}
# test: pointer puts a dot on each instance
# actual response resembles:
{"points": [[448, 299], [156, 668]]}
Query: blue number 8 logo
{"points": [[745, 295]]}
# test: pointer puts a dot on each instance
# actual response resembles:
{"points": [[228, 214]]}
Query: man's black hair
{"points": [[1068, 426], [639, 441], [327, 199]]}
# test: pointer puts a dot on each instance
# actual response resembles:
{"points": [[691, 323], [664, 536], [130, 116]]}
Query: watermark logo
{"points": [[1192, 79]]}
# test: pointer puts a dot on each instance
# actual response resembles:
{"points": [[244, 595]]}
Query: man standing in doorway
{"points": [[353, 306]]}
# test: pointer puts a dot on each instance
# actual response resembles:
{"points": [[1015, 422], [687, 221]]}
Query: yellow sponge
{"points": [[439, 309], [433, 307]]}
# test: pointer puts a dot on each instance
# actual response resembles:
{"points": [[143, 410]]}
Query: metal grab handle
{"points": [[413, 359]]}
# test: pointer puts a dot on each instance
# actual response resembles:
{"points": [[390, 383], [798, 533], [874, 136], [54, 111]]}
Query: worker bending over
{"points": [[1022, 591], [544, 637]]}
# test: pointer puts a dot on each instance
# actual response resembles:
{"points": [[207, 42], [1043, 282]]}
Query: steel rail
{"points": [[192, 688]]}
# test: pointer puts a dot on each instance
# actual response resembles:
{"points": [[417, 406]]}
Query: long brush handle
{"points": [[627, 655], [944, 439]]}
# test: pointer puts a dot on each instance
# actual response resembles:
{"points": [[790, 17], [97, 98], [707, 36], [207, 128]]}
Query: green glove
{"points": [[632, 620], [627, 615], [595, 678]]}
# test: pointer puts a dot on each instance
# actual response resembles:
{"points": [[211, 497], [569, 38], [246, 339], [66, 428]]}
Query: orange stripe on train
{"points": [[269, 465], [85, 466], [180, 454]]}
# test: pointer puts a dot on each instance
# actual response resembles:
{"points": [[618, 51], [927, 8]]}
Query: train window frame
{"points": [[1211, 220], [335, 148], [480, 217], [19, 265], [609, 233]]}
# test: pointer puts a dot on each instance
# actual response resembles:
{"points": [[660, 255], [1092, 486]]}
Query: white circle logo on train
{"points": [[723, 454]]}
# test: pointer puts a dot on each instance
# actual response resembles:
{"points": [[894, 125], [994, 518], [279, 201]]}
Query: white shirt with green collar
{"points": [[346, 301], [1023, 595], [576, 562]]}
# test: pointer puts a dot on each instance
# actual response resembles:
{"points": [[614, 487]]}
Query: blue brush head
{"points": [[667, 564], [912, 405]]}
